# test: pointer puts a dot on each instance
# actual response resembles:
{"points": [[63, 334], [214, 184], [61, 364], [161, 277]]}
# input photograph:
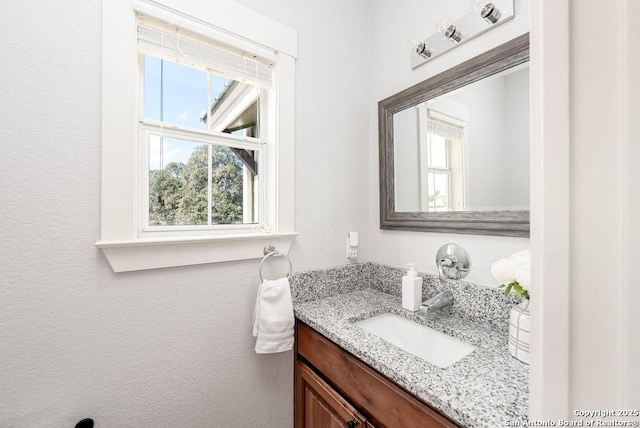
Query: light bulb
{"points": [[487, 10], [443, 25], [423, 50], [448, 30], [478, 5]]}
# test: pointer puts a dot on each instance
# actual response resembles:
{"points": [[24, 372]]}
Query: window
{"points": [[201, 114], [197, 144], [441, 151]]}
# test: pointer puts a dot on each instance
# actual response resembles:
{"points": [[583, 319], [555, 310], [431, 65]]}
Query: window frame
{"points": [[120, 241]]}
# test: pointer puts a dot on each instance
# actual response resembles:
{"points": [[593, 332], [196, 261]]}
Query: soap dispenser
{"points": [[411, 290]]}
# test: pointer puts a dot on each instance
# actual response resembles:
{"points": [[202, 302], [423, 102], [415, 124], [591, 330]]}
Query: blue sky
{"points": [[184, 100]]}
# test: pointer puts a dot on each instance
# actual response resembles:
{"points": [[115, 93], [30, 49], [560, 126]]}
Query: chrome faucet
{"points": [[438, 302]]}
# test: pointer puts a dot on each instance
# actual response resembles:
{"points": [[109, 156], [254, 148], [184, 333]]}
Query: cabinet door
{"points": [[320, 406]]}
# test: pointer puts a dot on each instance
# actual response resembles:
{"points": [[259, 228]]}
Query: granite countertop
{"points": [[485, 389]]}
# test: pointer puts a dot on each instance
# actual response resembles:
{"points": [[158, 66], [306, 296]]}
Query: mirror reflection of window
{"points": [[442, 161], [465, 150]]}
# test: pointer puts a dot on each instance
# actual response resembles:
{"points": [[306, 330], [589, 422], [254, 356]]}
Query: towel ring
{"points": [[270, 251]]}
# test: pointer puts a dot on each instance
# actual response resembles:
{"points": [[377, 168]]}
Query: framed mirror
{"points": [[454, 149]]}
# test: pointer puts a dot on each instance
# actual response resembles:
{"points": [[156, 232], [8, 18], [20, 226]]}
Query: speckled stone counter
{"points": [[484, 389]]}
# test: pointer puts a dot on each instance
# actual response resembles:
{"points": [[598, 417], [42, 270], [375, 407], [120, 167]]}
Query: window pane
{"points": [[227, 185], [177, 94], [234, 107], [178, 178], [438, 188], [438, 154], [179, 185], [218, 85], [174, 93], [152, 85]]}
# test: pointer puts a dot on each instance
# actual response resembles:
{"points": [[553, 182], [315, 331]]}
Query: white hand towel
{"points": [[273, 317]]}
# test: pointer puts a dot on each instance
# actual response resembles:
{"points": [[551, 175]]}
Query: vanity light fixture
{"points": [[484, 16]]}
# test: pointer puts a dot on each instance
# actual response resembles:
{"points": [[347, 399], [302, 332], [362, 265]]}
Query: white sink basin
{"points": [[424, 342]]}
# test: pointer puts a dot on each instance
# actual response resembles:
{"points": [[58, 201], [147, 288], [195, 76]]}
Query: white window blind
{"points": [[447, 130], [172, 43]]}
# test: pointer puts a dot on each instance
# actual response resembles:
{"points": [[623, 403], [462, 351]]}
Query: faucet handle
{"points": [[453, 262], [448, 261]]}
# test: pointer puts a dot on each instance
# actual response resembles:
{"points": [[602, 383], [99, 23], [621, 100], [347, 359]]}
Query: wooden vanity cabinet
{"points": [[335, 389]]}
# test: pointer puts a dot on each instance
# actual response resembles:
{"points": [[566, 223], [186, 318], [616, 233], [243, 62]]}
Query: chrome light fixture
{"points": [[483, 16]]}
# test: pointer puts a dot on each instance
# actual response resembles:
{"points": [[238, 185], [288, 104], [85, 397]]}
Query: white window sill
{"points": [[154, 253]]}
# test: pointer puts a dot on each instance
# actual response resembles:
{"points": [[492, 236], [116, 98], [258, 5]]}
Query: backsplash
{"points": [[321, 283], [472, 301]]}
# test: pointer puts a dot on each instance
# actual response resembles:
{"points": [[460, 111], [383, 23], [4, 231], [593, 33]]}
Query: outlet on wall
{"points": [[352, 245]]}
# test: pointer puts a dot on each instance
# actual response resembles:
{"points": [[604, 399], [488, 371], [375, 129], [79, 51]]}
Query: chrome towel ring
{"points": [[270, 251]]}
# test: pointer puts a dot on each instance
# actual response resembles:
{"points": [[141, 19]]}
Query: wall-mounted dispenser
{"points": [[484, 15]]}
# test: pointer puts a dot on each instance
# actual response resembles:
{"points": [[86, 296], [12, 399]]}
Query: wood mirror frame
{"points": [[505, 223]]}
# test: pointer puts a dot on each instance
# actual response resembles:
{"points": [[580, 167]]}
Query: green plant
{"points": [[517, 289]]}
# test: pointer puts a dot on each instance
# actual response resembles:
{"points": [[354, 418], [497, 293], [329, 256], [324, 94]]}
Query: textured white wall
{"points": [[163, 348], [396, 24], [331, 125]]}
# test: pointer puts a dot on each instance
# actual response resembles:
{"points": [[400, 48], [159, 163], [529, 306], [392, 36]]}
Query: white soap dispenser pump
{"points": [[411, 290]]}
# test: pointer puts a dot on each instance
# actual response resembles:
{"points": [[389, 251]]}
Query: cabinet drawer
{"points": [[385, 404]]}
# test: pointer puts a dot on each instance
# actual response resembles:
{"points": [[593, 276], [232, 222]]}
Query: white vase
{"points": [[520, 331]]}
